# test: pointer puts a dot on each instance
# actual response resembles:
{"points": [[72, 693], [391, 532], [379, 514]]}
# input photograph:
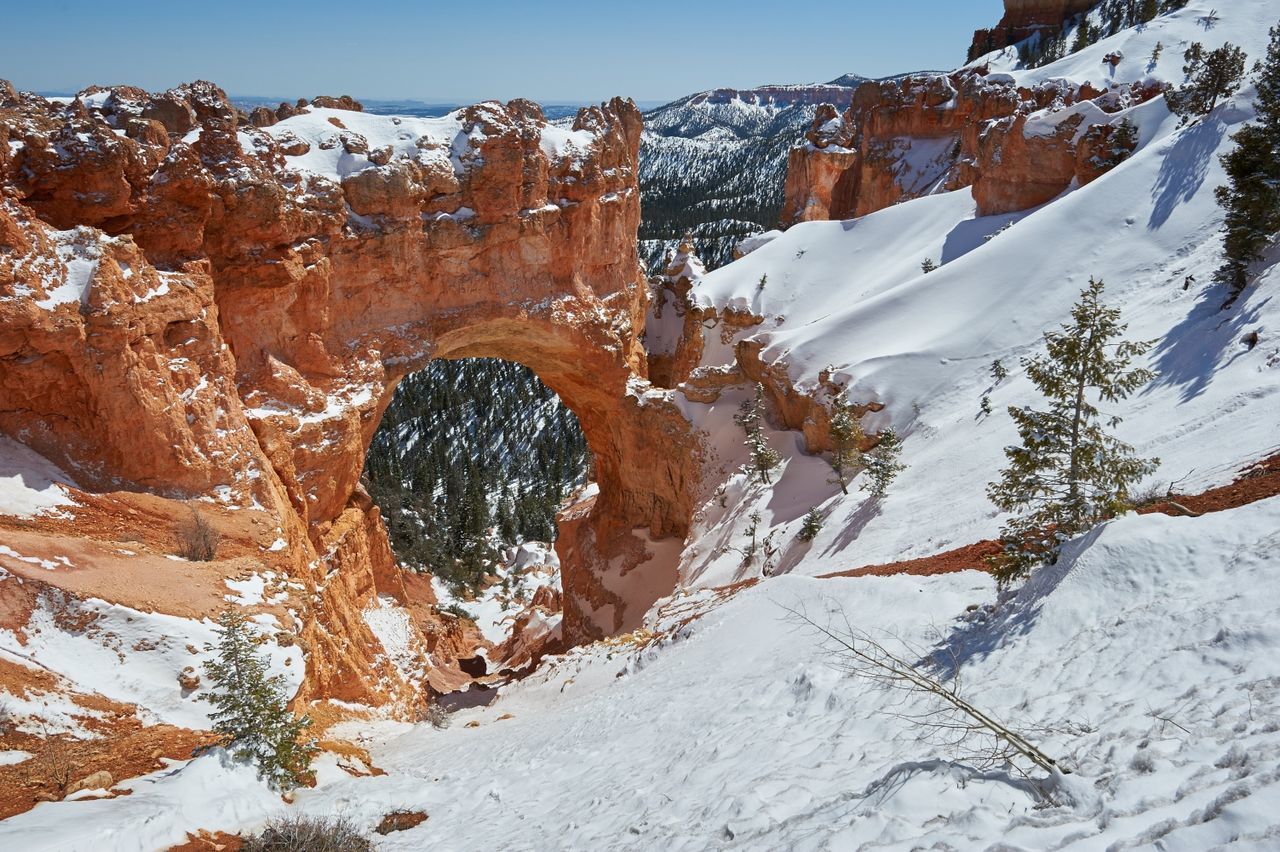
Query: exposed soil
{"points": [[1256, 482], [205, 841], [119, 548], [968, 558], [122, 745]]}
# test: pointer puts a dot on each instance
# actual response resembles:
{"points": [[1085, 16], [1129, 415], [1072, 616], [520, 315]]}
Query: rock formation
{"points": [[1025, 18], [1018, 147], [191, 306]]}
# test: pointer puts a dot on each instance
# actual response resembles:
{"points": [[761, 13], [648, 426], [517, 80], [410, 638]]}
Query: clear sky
{"points": [[567, 51]]}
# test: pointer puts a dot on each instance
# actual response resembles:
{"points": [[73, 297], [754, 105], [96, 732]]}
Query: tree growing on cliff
{"points": [[251, 708], [1251, 196], [1212, 77], [763, 457], [846, 444], [1068, 473], [1123, 141]]}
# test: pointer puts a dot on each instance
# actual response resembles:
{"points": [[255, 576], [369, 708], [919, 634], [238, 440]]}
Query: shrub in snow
{"points": [[1155, 56], [812, 525], [1068, 473], [1212, 77], [1252, 194], [252, 712], [846, 445], [881, 464], [756, 546], [763, 457], [999, 372], [927, 265], [434, 715], [309, 834], [984, 405], [197, 539]]}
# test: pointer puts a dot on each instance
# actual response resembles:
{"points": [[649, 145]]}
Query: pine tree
{"points": [[1155, 55], [251, 709], [1084, 35], [1122, 142], [1068, 473], [999, 372], [846, 444], [763, 457], [812, 525], [1192, 60], [927, 265], [1251, 197], [1149, 10], [1215, 76], [882, 463]]}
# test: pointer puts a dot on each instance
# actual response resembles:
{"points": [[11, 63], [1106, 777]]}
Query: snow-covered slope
{"points": [[1143, 662], [851, 297], [1147, 660]]}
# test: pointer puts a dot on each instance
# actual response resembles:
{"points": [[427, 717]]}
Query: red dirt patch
{"points": [[1258, 481], [204, 841], [968, 558]]}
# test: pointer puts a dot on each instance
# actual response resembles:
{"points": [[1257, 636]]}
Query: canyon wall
{"points": [[1016, 146], [195, 307], [1023, 19]]}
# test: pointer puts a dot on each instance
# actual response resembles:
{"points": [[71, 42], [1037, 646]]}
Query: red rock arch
{"points": [[247, 315]]}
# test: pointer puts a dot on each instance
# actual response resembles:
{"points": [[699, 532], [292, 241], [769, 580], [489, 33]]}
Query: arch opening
{"points": [[470, 465]]}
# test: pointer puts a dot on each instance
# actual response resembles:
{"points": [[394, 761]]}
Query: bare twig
{"points": [[952, 717]]}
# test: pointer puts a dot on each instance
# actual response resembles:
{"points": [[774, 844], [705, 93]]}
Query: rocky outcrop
{"points": [[1025, 18], [1018, 147], [190, 306]]}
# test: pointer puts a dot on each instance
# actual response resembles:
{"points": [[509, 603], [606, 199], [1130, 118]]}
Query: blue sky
{"points": [[567, 51]]}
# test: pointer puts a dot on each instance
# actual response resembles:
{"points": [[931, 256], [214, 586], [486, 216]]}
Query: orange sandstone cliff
{"points": [[193, 307]]}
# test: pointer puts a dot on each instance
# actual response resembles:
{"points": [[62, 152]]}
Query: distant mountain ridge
{"points": [[714, 163]]}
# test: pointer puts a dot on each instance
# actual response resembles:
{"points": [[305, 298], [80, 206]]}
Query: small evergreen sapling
{"points": [[763, 457], [927, 265], [999, 372], [1068, 474], [251, 709], [846, 445], [882, 463], [812, 525]]}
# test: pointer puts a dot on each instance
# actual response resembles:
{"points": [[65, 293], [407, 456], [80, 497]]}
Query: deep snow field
{"points": [[1147, 661]]}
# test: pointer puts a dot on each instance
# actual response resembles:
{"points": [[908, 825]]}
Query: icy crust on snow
{"points": [[444, 141], [130, 656], [850, 297], [30, 484], [1145, 661]]}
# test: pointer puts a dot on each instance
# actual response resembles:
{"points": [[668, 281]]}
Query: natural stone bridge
{"points": [[237, 314]]}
